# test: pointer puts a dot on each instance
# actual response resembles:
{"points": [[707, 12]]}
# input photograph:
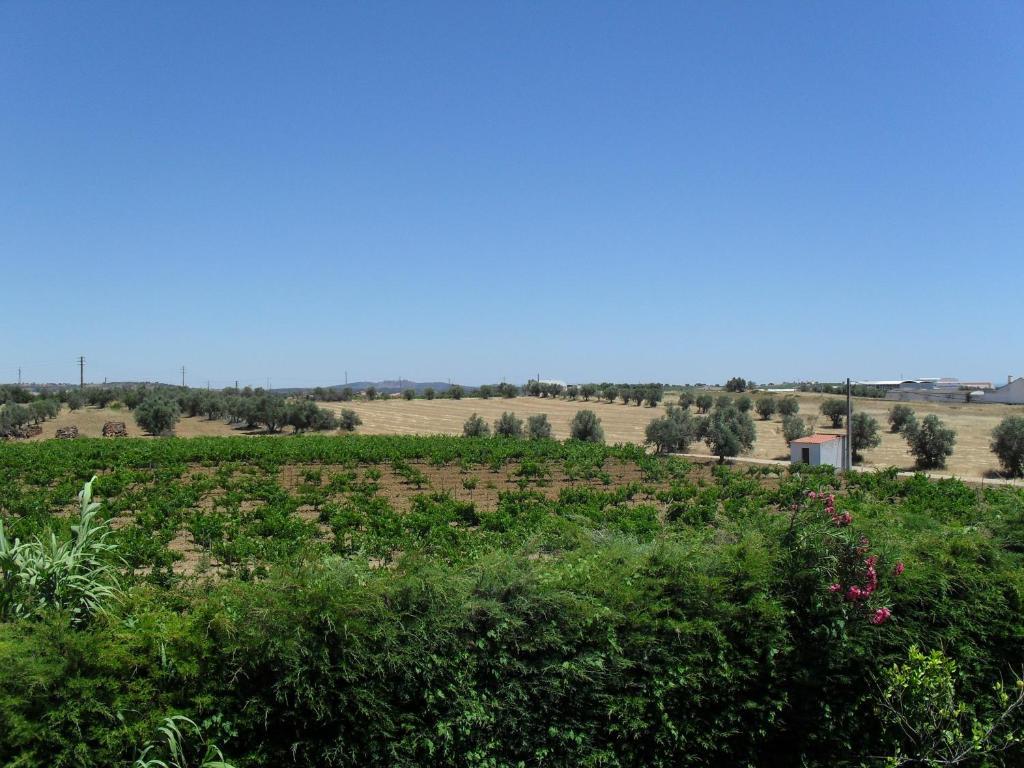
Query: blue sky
{"points": [[612, 191]]}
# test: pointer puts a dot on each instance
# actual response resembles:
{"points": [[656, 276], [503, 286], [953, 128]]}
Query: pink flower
{"points": [[855, 593], [812, 495], [835, 587], [844, 519], [898, 569], [880, 616]]}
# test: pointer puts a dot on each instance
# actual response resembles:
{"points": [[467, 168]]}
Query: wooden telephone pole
{"points": [[848, 453]]}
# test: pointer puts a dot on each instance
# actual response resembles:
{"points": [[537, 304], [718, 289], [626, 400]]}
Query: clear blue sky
{"points": [[628, 191]]}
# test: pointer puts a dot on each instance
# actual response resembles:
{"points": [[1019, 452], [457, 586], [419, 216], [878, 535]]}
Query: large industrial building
{"points": [[953, 391]]}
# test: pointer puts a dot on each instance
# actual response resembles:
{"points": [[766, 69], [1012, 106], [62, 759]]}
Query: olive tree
{"points": [[270, 411], [509, 425], [455, 392], [475, 426], [538, 427], [930, 442], [789, 406], [744, 403], [13, 417], [728, 431], [900, 417], [586, 426], [793, 427], [429, 393], [766, 407], [685, 399], [408, 394], [835, 410], [157, 414], [348, 420], [1008, 444], [704, 402], [863, 433], [587, 391], [672, 432], [736, 384], [653, 395]]}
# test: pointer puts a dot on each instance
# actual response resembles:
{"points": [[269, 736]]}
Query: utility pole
{"points": [[346, 378], [848, 458], [19, 375], [183, 377], [207, 385], [236, 383], [81, 372]]}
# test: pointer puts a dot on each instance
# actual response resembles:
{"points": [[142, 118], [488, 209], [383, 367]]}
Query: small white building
{"points": [[818, 449]]}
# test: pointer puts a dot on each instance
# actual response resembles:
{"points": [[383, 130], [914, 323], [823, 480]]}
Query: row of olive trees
{"points": [[727, 430], [160, 410], [15, 416], [585, 425], [650, 394]]}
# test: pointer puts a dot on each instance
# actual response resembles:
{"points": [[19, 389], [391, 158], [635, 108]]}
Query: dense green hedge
{"points": [[572, 632]]}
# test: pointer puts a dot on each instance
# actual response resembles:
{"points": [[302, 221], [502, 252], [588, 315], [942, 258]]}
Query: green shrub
{"points": [[73, 575]]}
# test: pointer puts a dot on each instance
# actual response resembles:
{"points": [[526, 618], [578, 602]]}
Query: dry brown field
{"points": [[972, 458]]}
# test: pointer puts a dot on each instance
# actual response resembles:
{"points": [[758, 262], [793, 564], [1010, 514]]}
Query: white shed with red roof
{"points": [[818, 449]]}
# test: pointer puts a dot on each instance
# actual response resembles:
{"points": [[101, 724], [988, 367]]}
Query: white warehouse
{"points": [[818, 449], [1012, 393]]}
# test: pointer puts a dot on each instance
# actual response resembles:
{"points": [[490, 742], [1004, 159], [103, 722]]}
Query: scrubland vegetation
{"points": [[498, 602]]}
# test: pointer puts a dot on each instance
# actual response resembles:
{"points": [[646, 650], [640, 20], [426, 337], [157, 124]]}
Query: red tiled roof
{"points": [[816, 439]]}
